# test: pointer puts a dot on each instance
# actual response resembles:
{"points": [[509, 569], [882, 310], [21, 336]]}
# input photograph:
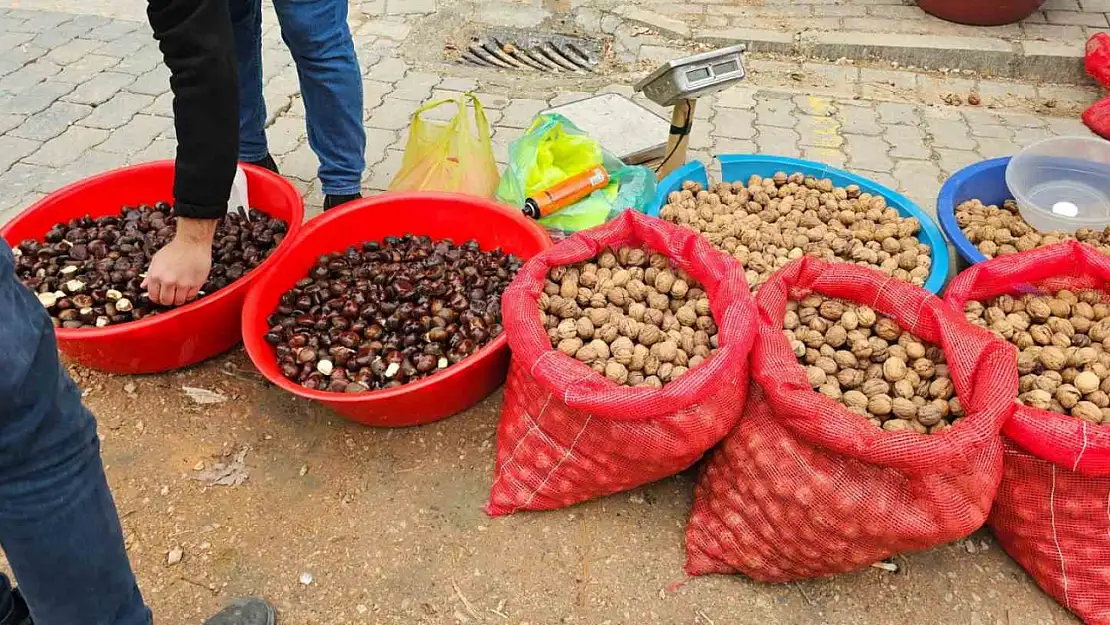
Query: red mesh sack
{"points": [[1052, 513], [568, 434], [1097, 60], [1097, 118], [805, 488]]}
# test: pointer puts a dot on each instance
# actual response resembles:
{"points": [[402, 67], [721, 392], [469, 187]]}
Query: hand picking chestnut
{"points": [[630, 316], [385, 314], [868, 363], [87, 272]]}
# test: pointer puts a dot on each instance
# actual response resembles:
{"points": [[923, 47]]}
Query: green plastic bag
{"points": [[554, 149]]}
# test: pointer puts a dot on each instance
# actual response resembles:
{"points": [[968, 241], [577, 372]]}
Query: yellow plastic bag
{"points": [[449, 156]]}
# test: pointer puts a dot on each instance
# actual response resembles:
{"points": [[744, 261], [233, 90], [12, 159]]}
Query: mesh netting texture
{"points": [[567, 434], [805, 488], [1097, 118], [1097, 60], [1052, 512]]}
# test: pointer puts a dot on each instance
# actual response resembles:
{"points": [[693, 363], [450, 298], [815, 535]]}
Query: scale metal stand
{"points": [[679, 84]]}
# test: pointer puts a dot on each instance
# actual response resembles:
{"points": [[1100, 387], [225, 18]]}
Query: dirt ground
{"points": [[386, 527]]}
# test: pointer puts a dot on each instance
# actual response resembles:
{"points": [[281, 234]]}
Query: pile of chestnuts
{"points": [[384, 314], [88, 272]]}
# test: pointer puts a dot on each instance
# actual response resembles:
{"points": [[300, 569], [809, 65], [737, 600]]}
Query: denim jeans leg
{"points": [[246, 22], [58, 524], [320, 41]]}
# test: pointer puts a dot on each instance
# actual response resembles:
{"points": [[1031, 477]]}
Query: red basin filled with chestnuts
{"points": [[388, 309], [85, 248]]}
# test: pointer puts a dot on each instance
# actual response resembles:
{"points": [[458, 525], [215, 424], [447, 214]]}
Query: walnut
{"points": [[1087, 382], [586, 354], [585, 328], [894, 369], [1053, 358], [649, 335], [570, 346], [616, 372], [601, 348], [1087, 411]]}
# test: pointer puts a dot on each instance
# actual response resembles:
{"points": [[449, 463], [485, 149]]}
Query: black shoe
{"points": [[331, 201], [265, 163], [18, 614], [244, 612]]}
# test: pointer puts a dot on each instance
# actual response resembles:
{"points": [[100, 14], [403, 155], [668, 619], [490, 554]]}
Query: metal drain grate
{"points": [[542, 53]]}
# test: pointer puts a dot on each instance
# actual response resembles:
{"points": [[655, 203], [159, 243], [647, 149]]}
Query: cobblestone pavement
{"points": [[82, 90], [80, 94]]}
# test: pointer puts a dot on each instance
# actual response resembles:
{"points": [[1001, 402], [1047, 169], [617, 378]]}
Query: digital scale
{"points": [[637, 135], [680, 83]]}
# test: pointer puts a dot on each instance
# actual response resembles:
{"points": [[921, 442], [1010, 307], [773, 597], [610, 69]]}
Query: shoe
{"points": [[331, 201], [18, 614], [265, 163], [244, 612]]}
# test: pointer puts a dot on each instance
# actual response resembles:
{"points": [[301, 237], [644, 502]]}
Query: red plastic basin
{"points": [[172, 339], [436, 215]]}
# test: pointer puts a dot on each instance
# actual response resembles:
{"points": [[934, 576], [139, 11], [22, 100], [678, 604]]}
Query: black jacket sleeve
{"points": [[196, 40]]}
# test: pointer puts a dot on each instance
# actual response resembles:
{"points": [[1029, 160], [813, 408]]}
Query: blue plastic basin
{"points": [[740, 167], [985, 181]]}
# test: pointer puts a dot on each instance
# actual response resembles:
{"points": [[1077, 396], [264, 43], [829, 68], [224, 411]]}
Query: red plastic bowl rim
{"points": [[254, 344], [76, 334]]}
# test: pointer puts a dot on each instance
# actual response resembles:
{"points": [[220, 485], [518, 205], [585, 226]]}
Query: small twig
{"points": [[705, 617], [465, 602], [497, 610], [805, 595], [408, 470], [197, 584]]}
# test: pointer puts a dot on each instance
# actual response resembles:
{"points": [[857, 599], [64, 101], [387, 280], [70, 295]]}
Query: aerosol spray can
{"points": [[566, 193]]}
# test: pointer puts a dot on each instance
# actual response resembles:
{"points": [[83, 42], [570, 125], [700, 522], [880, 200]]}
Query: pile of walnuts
{"points": [[772, 221], [1064, 362], [1000, 231], [867, 362], [630, 316]]}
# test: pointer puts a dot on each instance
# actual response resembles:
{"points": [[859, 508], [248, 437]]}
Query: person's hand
{"points": [[180, 268]]}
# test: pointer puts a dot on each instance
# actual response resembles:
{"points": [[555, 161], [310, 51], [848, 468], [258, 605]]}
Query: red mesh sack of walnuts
{"points": [[805, 488], [1052, 512], [568, 434]]}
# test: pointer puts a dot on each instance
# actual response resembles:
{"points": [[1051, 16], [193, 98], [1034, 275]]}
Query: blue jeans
{"points": [[58, 523], [320, 41]]}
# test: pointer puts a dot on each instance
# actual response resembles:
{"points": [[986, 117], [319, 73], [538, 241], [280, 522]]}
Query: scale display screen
{"points": [[699, 74], [694, 76]]}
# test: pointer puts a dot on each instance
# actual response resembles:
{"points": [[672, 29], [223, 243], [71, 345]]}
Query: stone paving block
{"points": [[501, 140], [860, 120], [1024, 137], [88, 163], [510, 15], [778, 141], [35, 100], [410, 7], [828, 156], [136, 134], [127, 45], [9, 40], [737, 97], [377, 144], [817, 131], [458, 83], [389, 70], [42, 21], [1076, 18], [382, 173], [393, 29], [159, 149], [153, 83], [997, 92], [991, 147], [815, 105], [300, 163], [1019, 120], [521, 112], [1065, 126], [868, 152], [415, 86], [655, 21], [23, 79], [775, 112], [114, 30], [73, 50], [906, 141], [162, 105], [953, 134], [951, 161], [141, 61], [9, 121], [87, 67], [701, 136], [897, 113], [14, 148], [100, 88], [725, 145], [991, 130], [920, 180], [68, 146], [392, 115], [22, 178], [51, 122], [568, 97], [117, 111], [734, 123]]}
